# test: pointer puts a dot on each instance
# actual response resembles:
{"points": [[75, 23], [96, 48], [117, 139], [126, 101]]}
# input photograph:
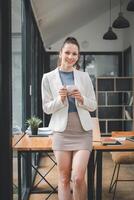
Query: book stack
{"points": [[43, 131]]}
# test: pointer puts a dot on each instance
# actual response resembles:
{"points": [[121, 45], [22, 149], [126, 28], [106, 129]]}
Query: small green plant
{"points": [[34, 122]]}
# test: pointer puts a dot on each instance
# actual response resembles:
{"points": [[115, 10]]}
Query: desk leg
{"points": [[27, 158], [19, 176], [90, 177], [28, 170], [99, 175]]}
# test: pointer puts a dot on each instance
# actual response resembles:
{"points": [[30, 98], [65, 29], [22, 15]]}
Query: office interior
{"points": [[31, 34]]}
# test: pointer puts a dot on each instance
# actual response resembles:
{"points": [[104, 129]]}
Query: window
{"points": [[16, 80], [16, 66]]}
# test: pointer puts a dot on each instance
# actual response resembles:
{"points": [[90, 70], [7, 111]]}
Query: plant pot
{"points": [[34, 131]]}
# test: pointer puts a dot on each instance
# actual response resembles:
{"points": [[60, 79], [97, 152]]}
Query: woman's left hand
{"points": [[77, 95]]}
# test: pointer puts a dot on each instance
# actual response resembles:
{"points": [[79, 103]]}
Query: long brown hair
{"points": [[69, 40]]}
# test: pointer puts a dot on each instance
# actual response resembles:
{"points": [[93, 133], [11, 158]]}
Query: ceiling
{"points": [[58, 18]]}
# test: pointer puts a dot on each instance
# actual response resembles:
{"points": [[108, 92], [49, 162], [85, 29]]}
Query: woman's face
{"points": [[69, 55]]}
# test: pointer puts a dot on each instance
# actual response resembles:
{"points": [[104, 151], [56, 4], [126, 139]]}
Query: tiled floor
{"points": [[125, 190]]}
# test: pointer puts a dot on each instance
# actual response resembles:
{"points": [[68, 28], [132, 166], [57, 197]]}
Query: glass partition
{"points": [[16, 83], [16, 66]]}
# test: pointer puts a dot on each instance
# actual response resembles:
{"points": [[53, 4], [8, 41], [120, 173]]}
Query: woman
{"points": [[68, 95]]}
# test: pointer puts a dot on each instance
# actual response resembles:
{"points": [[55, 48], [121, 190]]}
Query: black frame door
{"points": [[5, 102]]}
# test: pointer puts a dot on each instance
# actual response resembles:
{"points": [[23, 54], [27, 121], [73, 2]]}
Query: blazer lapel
{"points": [[76, 79], [57, 79]]}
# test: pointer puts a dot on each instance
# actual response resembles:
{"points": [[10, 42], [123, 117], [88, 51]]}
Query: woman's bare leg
{"points": [[80, 161], [64, 166]]}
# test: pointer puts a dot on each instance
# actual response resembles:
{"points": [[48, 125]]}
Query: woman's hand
{"points": [[77, 95], [63, 93]]}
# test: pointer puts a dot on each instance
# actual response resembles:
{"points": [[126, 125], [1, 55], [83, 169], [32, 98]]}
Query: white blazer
{"points": [[52, 104]]}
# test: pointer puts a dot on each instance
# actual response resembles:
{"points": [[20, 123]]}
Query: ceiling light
{"points": [[130, 6], [110, 35], [120, 22]]}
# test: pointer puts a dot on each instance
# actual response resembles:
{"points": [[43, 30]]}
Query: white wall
{"points": [[90, 36], [128, 37]]}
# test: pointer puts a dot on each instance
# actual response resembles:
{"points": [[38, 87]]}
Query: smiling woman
{"points": [[72, 136], [69, 56]]}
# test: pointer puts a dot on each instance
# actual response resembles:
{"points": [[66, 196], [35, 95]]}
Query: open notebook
{"points": [[110, 141]]}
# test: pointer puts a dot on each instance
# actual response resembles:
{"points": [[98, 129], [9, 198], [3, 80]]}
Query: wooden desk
{"points": [[34, 143], [25, 147], [16, 138], [44, 144], [99, 149]]}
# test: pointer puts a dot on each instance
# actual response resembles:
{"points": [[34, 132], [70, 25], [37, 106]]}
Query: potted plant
{"points": [[34, 123]]}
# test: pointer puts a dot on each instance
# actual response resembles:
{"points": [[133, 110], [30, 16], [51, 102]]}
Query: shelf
{"points": [[108, 112], [105, 85], [115, 103], [122, 86]]}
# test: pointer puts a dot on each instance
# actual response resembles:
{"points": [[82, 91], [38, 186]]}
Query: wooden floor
{"points": [[125, 190]]}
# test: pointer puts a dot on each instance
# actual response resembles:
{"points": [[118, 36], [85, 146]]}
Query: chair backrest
{"points": [[96, 129], [122, 133]]}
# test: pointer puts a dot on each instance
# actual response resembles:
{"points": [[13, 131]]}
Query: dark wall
{"points": [[5, 101]]}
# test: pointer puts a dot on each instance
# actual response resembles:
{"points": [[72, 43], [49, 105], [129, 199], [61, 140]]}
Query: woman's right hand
{"points": [[63, 93]]}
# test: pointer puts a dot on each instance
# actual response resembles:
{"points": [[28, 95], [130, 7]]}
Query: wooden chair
{"points": [[119, 158], [96, 130]]}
